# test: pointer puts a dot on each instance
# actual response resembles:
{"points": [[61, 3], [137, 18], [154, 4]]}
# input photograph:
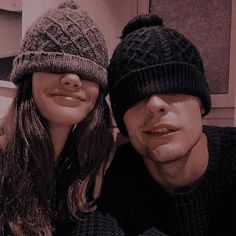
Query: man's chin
{"points": [[164, 156]]}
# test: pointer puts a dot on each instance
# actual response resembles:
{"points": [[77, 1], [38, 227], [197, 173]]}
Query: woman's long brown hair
{"points": [[27, 164]]}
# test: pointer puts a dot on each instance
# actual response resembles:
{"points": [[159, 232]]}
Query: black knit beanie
{"points": [[153, 59], [64, 39]]}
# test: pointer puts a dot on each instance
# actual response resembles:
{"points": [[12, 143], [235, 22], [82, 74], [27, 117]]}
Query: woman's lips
{"points": [[67, 99], [68, 95]]}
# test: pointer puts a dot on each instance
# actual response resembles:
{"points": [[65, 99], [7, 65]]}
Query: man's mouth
{"points": [[160, 130]]}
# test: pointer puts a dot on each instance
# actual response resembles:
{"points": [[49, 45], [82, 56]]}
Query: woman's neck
{"points": [[59, 135]]}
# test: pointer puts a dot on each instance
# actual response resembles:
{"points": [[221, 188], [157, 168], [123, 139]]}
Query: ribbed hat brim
{"points": [[174, 77], [55, 62]]}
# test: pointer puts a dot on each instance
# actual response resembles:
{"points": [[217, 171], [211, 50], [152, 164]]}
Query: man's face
{"points": [[164, 128]]}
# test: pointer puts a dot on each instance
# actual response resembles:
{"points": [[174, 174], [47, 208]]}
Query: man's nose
{"points": [[71, 82], [157, 105]]}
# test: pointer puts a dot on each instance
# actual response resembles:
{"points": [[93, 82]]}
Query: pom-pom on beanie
{"points": [[153, 59], [63, 40]]}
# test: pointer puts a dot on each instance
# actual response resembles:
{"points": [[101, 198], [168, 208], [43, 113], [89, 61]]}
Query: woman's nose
{"points": [[71, 82], [156, 105]]}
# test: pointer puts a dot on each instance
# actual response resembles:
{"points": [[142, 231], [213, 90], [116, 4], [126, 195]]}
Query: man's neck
{"points": [[184, 171]]}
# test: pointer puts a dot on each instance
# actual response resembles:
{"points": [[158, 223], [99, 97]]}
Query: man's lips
{"points": [[160, 129]]}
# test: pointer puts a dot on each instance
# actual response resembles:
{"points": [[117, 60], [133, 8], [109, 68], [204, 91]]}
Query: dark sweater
{"points": [[132, 203], [208, 207]]}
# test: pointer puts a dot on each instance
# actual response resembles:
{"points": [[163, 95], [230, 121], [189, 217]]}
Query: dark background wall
{"points": [[207, 24]]}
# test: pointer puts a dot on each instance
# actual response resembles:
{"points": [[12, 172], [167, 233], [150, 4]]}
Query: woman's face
{"points": [[63, 99]]}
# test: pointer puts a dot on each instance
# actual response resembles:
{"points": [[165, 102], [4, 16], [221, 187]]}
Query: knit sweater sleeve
{"points": [[98, 224], [228, 140], [230, 143], [209, 206], [153, 232]]}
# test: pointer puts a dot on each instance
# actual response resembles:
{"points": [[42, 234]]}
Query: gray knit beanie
{"points": [[63, 40], [153, 59]]}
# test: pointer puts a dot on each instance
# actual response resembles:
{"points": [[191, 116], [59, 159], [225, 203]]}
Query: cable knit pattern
{"points": [[62, 40], [97, 224], [153, 59], [207, 208]]}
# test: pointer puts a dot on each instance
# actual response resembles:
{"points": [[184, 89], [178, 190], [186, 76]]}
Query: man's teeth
{"points": [[160, 131]]}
